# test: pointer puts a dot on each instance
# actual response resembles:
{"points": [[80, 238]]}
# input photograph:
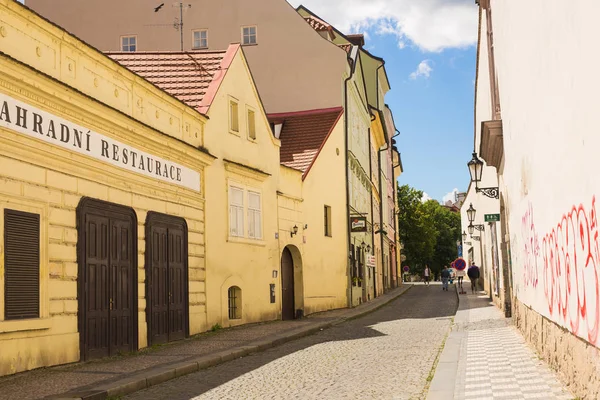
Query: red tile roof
{"points": [[317, 23], [192, 77], [303, 135], [347, 47]]}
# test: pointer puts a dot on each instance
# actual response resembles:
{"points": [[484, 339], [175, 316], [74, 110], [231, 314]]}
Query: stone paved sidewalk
{"points": [[485, 357], [123, 375]]}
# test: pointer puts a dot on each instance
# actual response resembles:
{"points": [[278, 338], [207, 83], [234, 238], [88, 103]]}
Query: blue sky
{"points": [[429, 48]]}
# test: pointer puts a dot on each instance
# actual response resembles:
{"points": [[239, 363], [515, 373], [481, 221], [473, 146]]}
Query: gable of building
{"points": [[303, 135]]}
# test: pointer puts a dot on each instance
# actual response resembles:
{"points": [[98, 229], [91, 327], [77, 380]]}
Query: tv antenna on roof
{"points": [[178, 24]]}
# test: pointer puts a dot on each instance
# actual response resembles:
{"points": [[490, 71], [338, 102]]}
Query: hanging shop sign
{"points": [[371, 260], [358, 224], [31, 121], [492, 217]]}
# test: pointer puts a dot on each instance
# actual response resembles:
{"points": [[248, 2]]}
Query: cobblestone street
{"points": [[388, 354]]}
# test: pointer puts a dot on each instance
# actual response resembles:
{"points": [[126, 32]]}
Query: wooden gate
{"points": [[166, 278], [107, 280], [287, 285]]}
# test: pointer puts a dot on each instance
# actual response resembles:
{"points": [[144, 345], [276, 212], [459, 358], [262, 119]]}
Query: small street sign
{"points": [[460, 264], [492, 217]]}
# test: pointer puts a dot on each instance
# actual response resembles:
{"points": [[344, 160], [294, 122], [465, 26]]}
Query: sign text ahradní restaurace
{"points": [[23, 118]]}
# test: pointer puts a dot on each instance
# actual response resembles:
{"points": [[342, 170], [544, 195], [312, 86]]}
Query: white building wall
{"points": [[547, 67]]}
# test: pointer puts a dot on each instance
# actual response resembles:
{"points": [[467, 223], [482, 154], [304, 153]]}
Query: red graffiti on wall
{"points": [[531, 249], [570, 257]]}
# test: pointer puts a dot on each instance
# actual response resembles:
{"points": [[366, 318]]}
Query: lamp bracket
{"points": [[476, 238], [491, 192], [480, 228]]}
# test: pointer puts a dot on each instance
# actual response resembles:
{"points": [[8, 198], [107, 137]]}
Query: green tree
{"points": [[428, 231], [416, 229]]}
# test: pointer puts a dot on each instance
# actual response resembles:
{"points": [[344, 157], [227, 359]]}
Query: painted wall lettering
{"points": [[31, 121]]}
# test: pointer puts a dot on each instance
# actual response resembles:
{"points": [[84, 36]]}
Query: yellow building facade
{"points": [[169, 214], [100, 172]]}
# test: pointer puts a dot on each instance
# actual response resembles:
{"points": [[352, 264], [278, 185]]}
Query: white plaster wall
{"points": [[547, 71]]}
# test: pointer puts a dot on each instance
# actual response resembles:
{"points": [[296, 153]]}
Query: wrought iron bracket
{"points": [[476, 238], [480, 228], [491, 192]]}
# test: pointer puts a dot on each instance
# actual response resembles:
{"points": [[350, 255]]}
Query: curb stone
{"points": [[157, 375]]}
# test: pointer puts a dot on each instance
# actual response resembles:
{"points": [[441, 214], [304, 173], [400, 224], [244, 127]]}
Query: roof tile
{"points": [[184, 75], [303, 134]]}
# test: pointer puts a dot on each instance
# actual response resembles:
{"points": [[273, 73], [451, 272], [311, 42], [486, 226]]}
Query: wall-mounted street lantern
{"points": [[471, 228], [471, 213], [476, 171], [365, 247], [294, 231], [464, 235]]}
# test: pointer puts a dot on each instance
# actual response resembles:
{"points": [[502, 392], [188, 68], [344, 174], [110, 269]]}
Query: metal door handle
{"points": [[111, 304]]}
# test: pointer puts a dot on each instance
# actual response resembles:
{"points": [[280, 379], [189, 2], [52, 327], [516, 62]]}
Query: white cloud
{"points": [[431, 25], [424, 70], [450, 196], [425, 198]]}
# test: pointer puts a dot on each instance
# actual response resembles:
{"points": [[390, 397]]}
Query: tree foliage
{"points": [[428, 231]]}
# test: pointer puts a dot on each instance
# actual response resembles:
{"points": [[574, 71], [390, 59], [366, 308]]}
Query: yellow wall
{"points": [[290, 213], [50, 180], [326, 258], [231, 261]]}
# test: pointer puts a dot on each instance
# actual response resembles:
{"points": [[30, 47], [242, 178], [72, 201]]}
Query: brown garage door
{"points": [[107, 280], [166, 278]]}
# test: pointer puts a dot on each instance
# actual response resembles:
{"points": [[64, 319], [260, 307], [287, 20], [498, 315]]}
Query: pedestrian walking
{"points": [[473, 274], [427, 274], [445, 277]]}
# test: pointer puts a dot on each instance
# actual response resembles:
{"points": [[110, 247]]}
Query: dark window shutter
{"points": [[21, 265]]}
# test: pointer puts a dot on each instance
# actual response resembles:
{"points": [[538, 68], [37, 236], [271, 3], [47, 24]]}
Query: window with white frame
{"points": [[254, 216], [200, 39], [236, 211], [128, 43], [249, 35]]}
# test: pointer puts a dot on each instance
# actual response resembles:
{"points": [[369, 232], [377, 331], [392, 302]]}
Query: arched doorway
{"points": [[288, 305]]}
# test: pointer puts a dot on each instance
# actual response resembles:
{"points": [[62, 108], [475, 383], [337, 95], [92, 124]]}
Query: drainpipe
{"points": [[372, 217], [394, 211], [381, 208], [347, 166]]}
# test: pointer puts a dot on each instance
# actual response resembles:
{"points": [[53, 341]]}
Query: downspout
{"points": [[347, 166], [387, 146], [398, 272], [372, 217], [379, 177]]}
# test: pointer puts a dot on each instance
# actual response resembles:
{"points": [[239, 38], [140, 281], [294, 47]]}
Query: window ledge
{"points": [[236, 133], [241, 240], [25, 325], [250, 44]]}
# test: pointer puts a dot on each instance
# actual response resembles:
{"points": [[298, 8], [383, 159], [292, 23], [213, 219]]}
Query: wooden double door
{"points": [[166, 278], [107, 280]]}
